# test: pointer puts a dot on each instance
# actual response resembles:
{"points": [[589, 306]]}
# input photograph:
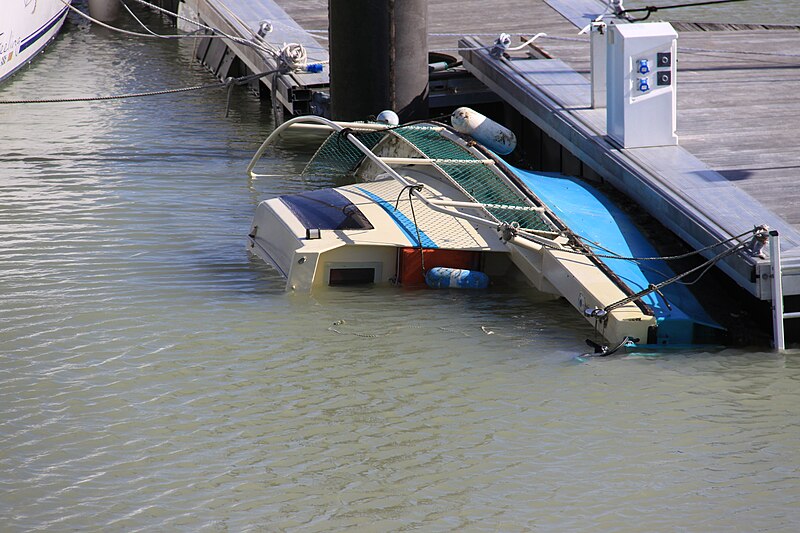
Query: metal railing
{"points": [[778, 314], [384, 164]]}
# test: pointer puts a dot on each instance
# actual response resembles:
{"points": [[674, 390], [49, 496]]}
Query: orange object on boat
{"points": [[410, 269]]}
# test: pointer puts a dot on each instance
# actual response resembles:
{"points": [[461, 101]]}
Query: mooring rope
{"points": [[217, 34], [228, 82], [502, 44], [411, 188], [137, 19], [586, 40], [704, 267], [263, 46], [658, 286], [292, 55], [613, 255], [649, 10], [114, 96]]}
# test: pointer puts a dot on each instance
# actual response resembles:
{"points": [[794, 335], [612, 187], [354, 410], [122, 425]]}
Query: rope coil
{"points": [[293, 56]]}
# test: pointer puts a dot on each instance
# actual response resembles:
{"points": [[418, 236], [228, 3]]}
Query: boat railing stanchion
{"points": [[777, 290], [778, 314]]}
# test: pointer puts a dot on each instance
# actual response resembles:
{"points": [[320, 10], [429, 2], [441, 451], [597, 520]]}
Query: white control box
{"points": [[640, 95]]}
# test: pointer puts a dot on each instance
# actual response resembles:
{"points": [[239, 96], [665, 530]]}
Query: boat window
{"points": [[326, 209], [351, 276]]}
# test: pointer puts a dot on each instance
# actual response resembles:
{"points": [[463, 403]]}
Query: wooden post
{"points": [[379, 58], [104, 10]]}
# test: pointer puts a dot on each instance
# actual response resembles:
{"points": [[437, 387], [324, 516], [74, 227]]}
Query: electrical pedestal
{"points": [[640, 96]]}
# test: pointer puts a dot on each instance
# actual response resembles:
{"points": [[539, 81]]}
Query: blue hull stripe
{"points": [[402, 221], [47, 27]]}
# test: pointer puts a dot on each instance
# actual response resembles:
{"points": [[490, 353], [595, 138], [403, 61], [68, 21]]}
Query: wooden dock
{"points": [[738, 90], [299, 93]]}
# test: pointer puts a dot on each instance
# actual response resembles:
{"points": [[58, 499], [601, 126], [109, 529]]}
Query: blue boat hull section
{"points": [[592, 216], [406, 225]]}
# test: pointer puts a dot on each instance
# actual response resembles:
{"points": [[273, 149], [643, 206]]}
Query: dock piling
{"points": [[379, 58], [104, 10]]}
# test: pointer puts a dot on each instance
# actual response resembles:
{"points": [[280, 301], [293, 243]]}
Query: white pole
{"points": [[597, 47], [777, 290]]}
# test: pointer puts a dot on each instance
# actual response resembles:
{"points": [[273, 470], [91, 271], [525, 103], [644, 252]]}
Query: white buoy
{"points": [[486, 131], [388, 117], [456, 278]]}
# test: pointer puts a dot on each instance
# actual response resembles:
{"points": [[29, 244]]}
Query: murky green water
{"points": [[153, 376]]}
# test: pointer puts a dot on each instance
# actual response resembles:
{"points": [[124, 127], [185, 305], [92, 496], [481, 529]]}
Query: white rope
{"points": [[263, 47], [152, 35], [120, 30], [501, 45], [323, 34], [317, 34], [275, 52], [526, 43], [142, 24]]}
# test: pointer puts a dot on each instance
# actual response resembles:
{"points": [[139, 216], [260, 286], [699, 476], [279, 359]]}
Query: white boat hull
{"points": [[26, 27], [280, 238]]}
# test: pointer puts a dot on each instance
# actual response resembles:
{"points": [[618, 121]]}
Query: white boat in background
{"points": [[26, 27]]}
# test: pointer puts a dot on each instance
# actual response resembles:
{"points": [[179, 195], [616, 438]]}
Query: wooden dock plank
{"points": [[579, 12], [448, 20], [745, 133]]}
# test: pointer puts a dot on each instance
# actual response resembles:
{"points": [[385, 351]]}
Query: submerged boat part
{"points": [[431, 204], [602, 350]]}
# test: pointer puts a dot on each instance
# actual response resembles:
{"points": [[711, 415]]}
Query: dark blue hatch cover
{"points": [[326, 209]]}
